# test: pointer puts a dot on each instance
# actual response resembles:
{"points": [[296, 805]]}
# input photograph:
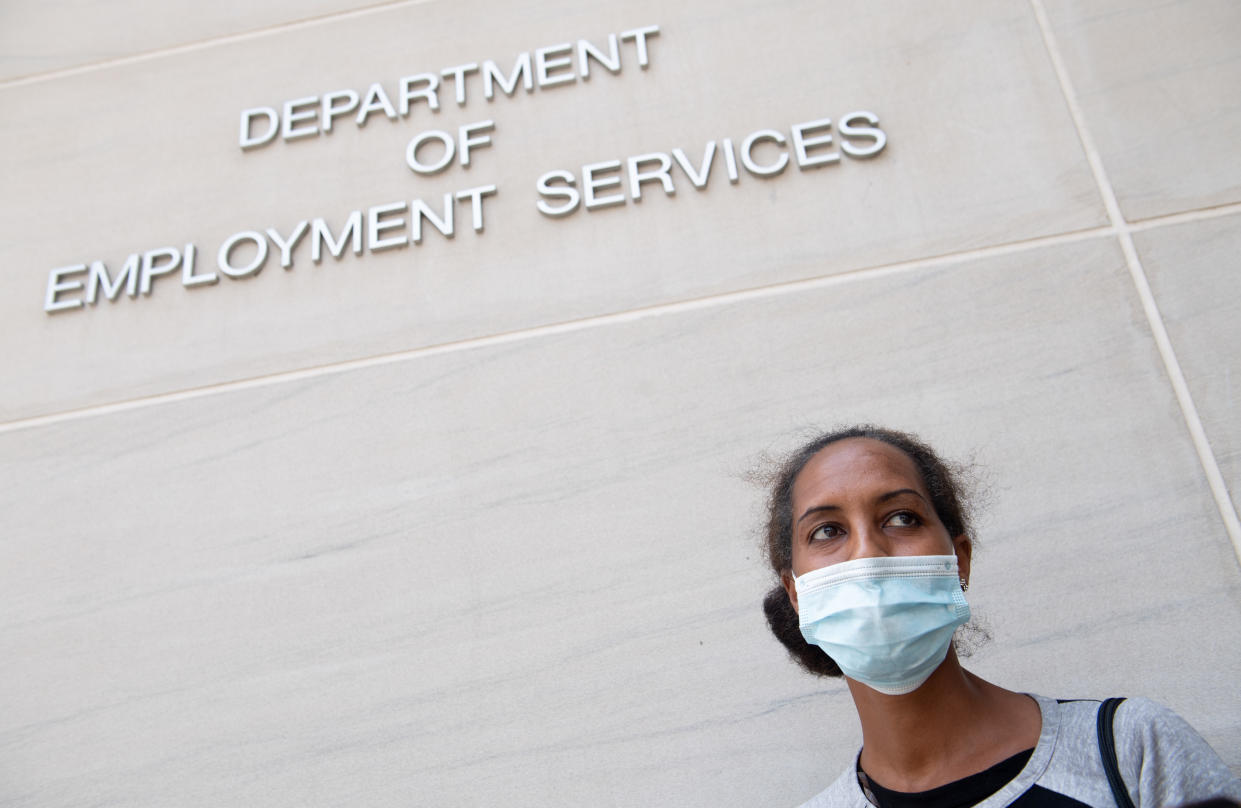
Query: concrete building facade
{"points": [[382, 379]]}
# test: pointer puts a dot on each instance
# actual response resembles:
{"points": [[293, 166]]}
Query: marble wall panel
{"points": [[1195, 274], [139, 156], [527, 572], [1158, 83], [38, 36]]}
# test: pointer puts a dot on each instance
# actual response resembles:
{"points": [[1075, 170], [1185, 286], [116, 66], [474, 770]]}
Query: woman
{"points": [[870, 539]]}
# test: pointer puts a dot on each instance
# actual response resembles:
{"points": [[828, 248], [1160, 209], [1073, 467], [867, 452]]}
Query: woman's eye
{"points": [[903, 519], [825, 532]]}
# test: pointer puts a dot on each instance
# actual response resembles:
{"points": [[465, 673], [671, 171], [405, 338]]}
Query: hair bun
{"points": [[782, 620]]}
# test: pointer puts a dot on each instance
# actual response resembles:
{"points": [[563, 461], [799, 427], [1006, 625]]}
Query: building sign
{"points": [[558, 193]]}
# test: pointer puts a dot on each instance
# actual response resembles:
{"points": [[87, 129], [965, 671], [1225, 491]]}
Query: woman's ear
{"points": [[790, 587], [964, 549]]}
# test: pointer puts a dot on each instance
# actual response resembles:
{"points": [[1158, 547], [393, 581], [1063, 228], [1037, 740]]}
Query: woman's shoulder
{"points": [[1160, 752], [1141, 717], [1135, 718], [1140, 724], [1161, 758], [844, 792]]}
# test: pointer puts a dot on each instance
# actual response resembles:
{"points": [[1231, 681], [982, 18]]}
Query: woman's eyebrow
{"points": [[817, 509], [882, 498]]}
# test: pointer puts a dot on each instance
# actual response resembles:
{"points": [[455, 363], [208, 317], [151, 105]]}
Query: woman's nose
{"points": [[869, 542]]}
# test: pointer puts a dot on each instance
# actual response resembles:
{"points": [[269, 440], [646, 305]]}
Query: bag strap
{"points": [[1107, 750]]}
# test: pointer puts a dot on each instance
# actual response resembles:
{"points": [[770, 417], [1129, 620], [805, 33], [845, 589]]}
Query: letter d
{"points": [[249, 141]]}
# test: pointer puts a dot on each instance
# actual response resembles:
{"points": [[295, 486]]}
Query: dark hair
{"points": [[942, 481]]}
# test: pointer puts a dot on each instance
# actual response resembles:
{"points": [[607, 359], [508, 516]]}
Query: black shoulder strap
{"points": [[1107, 749]]}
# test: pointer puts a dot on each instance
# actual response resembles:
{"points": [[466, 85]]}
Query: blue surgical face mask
{"points": [[887, 622]]}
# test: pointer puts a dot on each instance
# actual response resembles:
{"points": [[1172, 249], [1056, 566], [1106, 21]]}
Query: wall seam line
{"points": [[1202, 214], [1163, 343], [202, 44], [564, 327]]}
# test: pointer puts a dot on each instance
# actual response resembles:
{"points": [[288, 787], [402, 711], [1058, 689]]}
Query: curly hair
{"points": [[943, 482]]}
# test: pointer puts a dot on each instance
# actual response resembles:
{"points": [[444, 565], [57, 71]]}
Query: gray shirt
{"points": [[1163, 761]]}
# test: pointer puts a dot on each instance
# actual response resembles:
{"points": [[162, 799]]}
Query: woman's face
{"points": [[862, 498]]}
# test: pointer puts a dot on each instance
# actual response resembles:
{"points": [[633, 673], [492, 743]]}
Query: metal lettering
{"points": [[465, 136], [698, 178], [411, 152], [188, 278], [255, 265], [639, 35], [333, 110], [375, 99], [249, 141], [458, 74], [427, 93], [747, 157], [320, 235], [420, 211], [376, 227], [56, 285], [547, 60], [475, 196], [152, 268], [99, 277], [293, 113], [571, 195], [611, 61], [636, 177], [849, 131], [590, 184], [286, 246], [801, 143], [492, 75]]}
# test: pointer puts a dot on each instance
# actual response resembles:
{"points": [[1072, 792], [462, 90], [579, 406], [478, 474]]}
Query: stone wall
{"points": [[465, 521]]}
